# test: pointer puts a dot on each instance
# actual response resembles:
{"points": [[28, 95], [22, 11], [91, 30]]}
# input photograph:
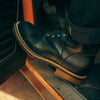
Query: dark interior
{"points": [[11, 56], [50, 15]]}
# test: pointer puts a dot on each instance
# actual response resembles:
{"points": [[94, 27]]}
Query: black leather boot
{"points": [[71, 59]]}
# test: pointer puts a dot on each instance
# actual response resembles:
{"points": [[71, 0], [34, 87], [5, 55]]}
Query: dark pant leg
{"points": [[84, 21]]}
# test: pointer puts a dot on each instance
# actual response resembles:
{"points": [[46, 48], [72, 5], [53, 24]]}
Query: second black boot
{"points": [[71, 59]]}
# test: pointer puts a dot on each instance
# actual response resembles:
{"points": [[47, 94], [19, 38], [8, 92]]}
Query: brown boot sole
{"points": [[60, 71]]}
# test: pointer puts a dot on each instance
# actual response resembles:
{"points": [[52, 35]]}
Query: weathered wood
{"points": [[42, 86], [42, 77], [18, 88], [63, 88]]}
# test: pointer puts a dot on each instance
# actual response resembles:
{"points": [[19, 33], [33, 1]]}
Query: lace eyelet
{"points": [[53, 36], [47, 35], [58, 35], [64, 34]]}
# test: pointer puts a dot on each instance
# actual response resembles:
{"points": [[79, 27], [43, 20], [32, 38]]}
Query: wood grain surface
{"points": [[18, 88]]}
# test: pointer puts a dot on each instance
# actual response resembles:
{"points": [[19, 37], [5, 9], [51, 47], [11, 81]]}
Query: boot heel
{"points": [[68, 77]]}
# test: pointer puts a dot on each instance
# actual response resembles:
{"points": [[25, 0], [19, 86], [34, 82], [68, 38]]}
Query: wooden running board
{"points": [[49, 86]]}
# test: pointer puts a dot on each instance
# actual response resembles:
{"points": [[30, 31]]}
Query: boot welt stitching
{"points": [[26, 48]]}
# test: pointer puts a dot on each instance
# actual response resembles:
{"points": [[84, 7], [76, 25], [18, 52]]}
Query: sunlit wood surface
{"points": [[18, 88], [46, 91], [49, 86]]}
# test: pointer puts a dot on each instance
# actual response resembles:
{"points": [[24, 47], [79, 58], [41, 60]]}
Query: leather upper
{"points": [[59, 47]]}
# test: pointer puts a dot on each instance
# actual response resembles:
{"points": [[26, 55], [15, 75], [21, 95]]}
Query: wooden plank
{"points": [[18, 88], [47, 84], [44, 89], [28, 11], [63, 88]]}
